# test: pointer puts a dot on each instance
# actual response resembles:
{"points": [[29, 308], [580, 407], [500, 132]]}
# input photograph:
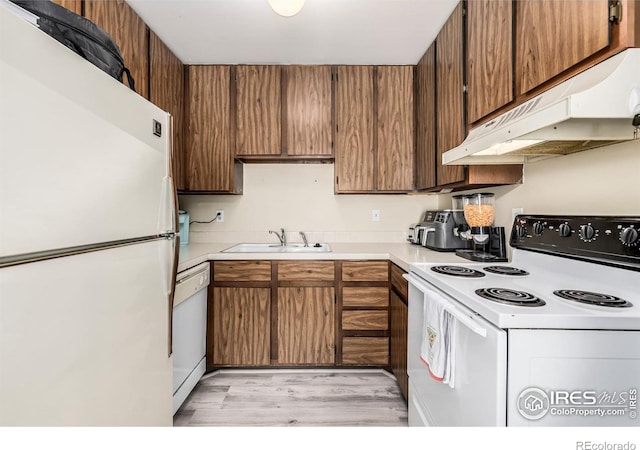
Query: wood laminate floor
{"points": [[294, 398]]}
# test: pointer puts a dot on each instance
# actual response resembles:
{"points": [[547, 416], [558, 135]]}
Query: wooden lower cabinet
{"points": [[399, 317], [290, 313], [241, 326], [359, 351], [363, 311], [306, 332]]}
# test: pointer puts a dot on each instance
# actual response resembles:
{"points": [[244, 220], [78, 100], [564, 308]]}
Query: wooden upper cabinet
{"points": [[354, 155], [552, 36], [308, 111], [166, 90], [489, 56], [129, 31], [451, 118], [209, 157], [395, 128], [258, 111], [71, 5], [426, 120]]}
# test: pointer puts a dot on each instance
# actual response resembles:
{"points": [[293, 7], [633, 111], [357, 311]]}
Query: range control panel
{"points": [[608, 240]]}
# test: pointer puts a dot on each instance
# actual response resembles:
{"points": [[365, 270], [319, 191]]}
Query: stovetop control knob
{"points": [[538, 228], [564, 229], [521, 231], [629, 236], [587, 233]]}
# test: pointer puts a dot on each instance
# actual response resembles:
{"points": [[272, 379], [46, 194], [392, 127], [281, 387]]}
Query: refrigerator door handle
{"points": [[168, 214], [172, 201], [172, 290]]}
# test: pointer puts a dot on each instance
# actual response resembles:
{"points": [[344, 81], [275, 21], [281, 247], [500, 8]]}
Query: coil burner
{"points": [[593, 298], [506, 270], [458, 271], [510, 297]]}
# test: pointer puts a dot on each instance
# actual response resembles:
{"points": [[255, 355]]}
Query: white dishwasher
{"points": [[189, 331]]}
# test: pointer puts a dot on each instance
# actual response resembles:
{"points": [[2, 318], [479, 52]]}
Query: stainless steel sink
{"points": [[277, 248]]}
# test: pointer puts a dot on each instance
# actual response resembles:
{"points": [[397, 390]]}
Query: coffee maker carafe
{"points": [[488, 241]]}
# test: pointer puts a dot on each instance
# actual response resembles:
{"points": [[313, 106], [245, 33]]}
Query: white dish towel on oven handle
{"points": [[438, 348]]}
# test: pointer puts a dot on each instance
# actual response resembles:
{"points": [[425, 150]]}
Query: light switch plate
{"points": [[375, 215]]}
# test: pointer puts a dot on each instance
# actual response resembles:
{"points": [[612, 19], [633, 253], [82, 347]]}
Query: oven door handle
{"points": [[461, 316]]}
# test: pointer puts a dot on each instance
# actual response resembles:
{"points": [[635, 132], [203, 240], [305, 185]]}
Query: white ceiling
{"points": [[324, 32]]}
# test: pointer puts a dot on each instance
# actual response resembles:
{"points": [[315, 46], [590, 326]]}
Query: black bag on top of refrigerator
{"points": [[81, 35]]}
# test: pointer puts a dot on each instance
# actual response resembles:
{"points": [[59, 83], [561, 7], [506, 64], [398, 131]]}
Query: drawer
{"points": [[368, 297], [365, 271], [365, 320], [242, 271], [400, 284], [365, 351], [306, 271]]}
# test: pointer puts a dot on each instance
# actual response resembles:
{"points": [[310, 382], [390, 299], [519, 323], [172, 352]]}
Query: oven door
{"points": [[480, 394]]}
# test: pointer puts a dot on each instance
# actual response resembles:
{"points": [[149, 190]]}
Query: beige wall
{"points": [[604, 181], [300, 197]]}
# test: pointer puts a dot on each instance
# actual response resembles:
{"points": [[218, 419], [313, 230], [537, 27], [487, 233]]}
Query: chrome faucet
{"points": [[281, 236], [304, 239]]}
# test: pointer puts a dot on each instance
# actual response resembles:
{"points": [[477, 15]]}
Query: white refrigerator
{"points": [[87, 241]]}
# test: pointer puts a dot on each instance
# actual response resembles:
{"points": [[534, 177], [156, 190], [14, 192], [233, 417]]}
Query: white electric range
{"points": [[550, 338]]}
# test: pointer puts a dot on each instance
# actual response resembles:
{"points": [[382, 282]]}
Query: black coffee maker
{"points": [[475, 215]]}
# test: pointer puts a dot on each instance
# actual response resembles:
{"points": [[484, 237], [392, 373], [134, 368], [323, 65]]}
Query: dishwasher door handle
{"points": [[191, 281]]}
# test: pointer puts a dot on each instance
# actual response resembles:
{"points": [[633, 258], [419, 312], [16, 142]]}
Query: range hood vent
{"points": [[593, 109]]}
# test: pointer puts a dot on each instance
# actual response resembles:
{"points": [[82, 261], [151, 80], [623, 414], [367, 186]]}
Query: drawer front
{"points": [[365, 271], [306, 271], [365, 350], [400, 284], [242, 271], [368, 297], [365, 320]]}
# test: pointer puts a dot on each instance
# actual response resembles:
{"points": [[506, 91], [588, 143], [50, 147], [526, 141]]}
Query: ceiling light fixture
{"points": [[286, 8]]}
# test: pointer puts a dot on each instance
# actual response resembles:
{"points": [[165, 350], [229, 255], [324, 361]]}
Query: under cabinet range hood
{"points": [[597, 107]]}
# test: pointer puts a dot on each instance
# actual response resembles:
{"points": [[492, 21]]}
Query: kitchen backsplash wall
{"points": [[299, 197], [604, 181]]}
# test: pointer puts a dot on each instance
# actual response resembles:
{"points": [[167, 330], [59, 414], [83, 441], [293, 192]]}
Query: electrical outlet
{"points": [[220, 215], [375, 215]]}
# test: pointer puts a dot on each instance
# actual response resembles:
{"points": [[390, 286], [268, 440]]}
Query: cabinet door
{"points": [[552, 36], [242, 324], [71, 5], [489, 56], [450, 97], [306, 325], [308, 111], [354, 156], [129, 31], [258, 110], [166, 90], [426, 120], [399, 317], [209, 158], [395, 122]]}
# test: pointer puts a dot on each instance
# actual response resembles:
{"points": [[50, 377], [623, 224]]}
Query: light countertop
{"points": [[400, 254]]}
